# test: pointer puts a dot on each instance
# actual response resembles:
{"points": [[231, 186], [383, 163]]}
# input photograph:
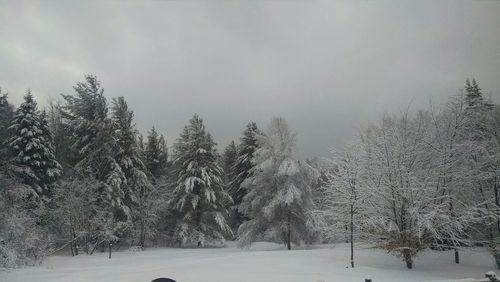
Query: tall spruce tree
{"points": [[6, 115], [93, 140], [128, 155], [62, 137], [92, 137], [156, 153], [478, 140], [162, 144], [199, 197], [243, 169], [243, 166], [136, 188], [473, 94], [228, 163], [87, 115], [32, 148]]}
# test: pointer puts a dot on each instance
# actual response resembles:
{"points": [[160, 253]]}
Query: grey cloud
{"points": [[328, 67]]}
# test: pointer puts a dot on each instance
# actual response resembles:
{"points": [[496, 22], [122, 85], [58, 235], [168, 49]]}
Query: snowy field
{"points": [[263, 262]]}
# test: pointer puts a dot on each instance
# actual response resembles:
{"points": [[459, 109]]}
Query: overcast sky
{"points": [[327, 67]]}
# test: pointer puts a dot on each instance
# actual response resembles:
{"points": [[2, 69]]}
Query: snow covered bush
{"points": [[24, 240]]}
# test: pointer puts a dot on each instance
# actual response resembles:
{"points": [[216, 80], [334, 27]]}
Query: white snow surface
{"points": [[263, 262]]}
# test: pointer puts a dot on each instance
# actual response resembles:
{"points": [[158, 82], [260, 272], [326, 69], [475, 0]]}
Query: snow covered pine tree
{"points": [[136, 186], [96, 148], [243, 169], [155, 153], [199, 197], [31, 144]]}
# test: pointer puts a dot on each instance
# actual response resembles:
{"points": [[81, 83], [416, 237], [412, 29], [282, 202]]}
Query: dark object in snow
{"points": [[163, 280], [368, 280], [491, 275], [110, 246]]}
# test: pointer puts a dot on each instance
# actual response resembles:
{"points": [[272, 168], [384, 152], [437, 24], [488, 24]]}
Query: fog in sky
{"points": [[327, 67]]}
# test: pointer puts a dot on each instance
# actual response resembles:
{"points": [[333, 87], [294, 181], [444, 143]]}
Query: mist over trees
{"points": [[79, 177]]}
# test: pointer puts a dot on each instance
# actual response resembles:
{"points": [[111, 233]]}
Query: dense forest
{"points": [[78, 177]]}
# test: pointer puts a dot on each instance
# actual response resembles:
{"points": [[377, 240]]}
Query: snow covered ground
{"points": [[263, 262]]}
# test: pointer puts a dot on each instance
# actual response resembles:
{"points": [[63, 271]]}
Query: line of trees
{"points": [[424, 180], [78, 176]]}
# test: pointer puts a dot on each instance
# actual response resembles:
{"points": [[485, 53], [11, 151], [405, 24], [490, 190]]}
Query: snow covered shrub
{"points": [[8, 256], [23, 241]]}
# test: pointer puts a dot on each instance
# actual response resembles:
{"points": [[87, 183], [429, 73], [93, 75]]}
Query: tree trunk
{"points": [[288, 232], [288, 237], [408, 259], [72, 249], [457, 256], [110, 247], [352, 236], [497, 200], [72, 244], [86, 242], [96, 245], [142, 236], [76, 246]]}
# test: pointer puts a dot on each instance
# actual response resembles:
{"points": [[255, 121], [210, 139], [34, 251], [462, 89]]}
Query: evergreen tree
{"points": [[128, 155], [243, 167], [156, 153], [152, 153], [96, 148], [140, 144], [31, 145], [61, 137], [162, 144], [136, 188], [279, 196], [87, 115], [6, 115], [228, 163], [92, 138], [473, 94], [478, 141], [199, 196]]}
